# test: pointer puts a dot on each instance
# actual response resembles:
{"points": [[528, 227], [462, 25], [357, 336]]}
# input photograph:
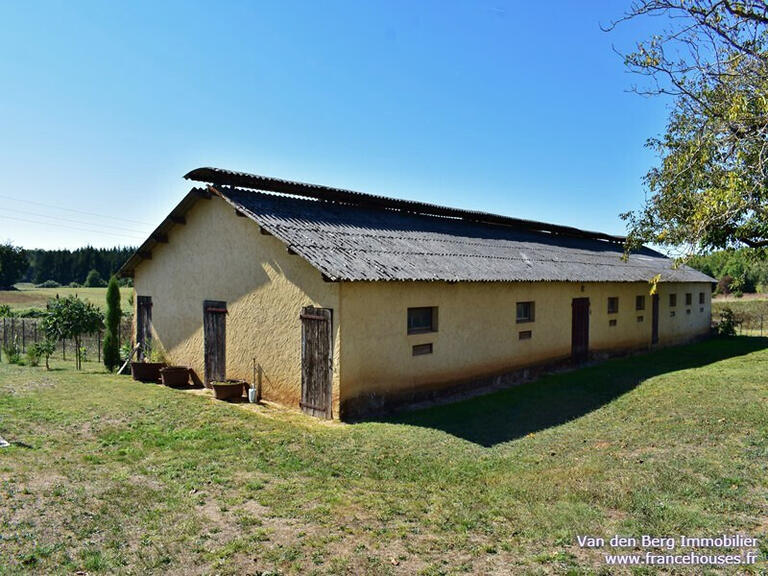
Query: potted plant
{"points": [[148, 370], [226, 389], [174, 376]]}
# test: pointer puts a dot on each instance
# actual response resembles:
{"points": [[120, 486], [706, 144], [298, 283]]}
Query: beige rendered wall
{"points": [[217, 255], [477, 330]]}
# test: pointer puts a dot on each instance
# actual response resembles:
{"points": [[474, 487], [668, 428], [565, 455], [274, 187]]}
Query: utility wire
{"points": [[57, 218], [70, 209], [50, 224]]}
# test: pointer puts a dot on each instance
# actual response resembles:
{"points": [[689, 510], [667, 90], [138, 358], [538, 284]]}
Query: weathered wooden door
{"points": [[580, 329], [143, 324], [215, 340], [316, 361], [655, 319]]}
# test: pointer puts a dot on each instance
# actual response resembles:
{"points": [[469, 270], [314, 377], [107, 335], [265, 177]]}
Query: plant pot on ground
{"points": [[175, 376], [146, 371], [227, 389], [149, 369]]}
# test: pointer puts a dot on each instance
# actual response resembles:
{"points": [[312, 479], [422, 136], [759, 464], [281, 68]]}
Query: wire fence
{"points": [[746, 323], [24, 332]]}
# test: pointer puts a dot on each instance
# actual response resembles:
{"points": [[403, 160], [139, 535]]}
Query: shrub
{"points": [[126, 282], [74, 285], [724, 285], [48, 284], [43, 349], [33, 356], [5, 311], [111, 350], [94, 280], [12, 351], [728, 322]]}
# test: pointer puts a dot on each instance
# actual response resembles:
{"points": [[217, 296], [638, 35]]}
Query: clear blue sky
{"points": [[519, 108]]}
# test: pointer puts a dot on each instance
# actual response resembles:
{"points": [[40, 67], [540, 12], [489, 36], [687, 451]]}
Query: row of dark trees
{"points": [[65, 266]]}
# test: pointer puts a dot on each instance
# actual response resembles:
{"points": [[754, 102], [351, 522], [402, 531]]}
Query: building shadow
{"points": [[559, 398]]}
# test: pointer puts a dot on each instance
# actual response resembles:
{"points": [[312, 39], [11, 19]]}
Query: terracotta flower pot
{"points": [[175, 375], [226, 389], [146, 371]]}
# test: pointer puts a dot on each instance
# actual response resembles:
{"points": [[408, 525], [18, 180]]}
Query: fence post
{"points": [[23, 336], [98, 346], [35, 327], [63, 348]]}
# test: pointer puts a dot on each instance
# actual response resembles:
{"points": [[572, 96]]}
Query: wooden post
{"points": [[63, 348], [23, 336], [98, 346], [35, 327]]}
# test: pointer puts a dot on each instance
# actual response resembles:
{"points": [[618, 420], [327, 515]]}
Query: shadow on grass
{"points": [[558, 398]]}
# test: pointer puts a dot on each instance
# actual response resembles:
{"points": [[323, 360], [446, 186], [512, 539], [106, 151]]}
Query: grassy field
{"points": [[109, 476], [27, 296]]}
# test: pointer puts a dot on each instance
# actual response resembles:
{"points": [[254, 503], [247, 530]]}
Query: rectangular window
{"points": [[672, 300], [640, 319], [640, 302], [525, 312], [612, 322], [613, 305], [421, 320], [672, 314], [688, 298], [525, 335], [701, 298], [421, 349]]}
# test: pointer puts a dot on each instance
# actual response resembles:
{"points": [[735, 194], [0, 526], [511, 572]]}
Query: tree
{"points": [[13, 265], [111, 336], [94, 279], [709, 189], [71, 317]]}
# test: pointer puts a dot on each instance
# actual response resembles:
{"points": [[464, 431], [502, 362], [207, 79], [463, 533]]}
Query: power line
{"points": [[71, 209], [49, 224], [57, 218]]}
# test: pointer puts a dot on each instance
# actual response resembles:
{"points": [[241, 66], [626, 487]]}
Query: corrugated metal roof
{"points": [[353, 242]]}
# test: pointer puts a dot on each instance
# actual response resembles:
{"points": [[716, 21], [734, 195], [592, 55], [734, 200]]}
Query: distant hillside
{"points": [[65, 266]]}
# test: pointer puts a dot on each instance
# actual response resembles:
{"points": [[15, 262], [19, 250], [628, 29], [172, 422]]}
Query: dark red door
{"points": [[655, 319], [580, 329]]}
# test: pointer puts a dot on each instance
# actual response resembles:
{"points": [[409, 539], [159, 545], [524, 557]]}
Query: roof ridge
{"points": [[239, 180]]}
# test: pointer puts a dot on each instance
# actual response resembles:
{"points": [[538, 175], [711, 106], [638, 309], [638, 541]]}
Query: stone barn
{"points": [[351, 303]]}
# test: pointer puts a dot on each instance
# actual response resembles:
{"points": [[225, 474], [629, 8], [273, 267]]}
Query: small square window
{"points": [[640, 318], [640, 302], [701, 298], [672, 300], [688, 311], [672, 314], [688, 298], [421, 349], [525, 312], [525, 335], [612, 322], [421, 320], [613, 305], [701, 309]]}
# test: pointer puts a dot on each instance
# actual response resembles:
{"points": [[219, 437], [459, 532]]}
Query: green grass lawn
{"points": [[28, 296], [109, 476]]}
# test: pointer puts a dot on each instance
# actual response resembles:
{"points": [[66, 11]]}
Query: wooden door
{"points": [[215, 340], [316, 361], [143, 324], [580, 329], [655, 319]]}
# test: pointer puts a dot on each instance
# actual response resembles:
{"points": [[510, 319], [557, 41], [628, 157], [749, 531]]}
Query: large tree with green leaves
{"points": [[710, 188], [111, 336], [13, 265]]}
